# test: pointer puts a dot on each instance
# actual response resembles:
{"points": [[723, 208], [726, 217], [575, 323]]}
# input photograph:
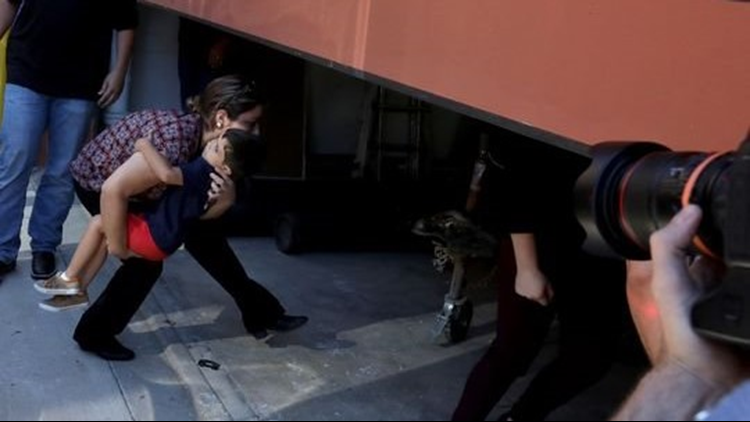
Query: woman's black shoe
{"points": [[109, 349], [283, 324]]}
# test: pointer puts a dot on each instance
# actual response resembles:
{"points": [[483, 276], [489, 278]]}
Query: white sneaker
{"points": [[57, 286], [65, 303]]}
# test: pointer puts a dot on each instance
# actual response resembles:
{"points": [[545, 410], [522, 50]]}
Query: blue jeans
{"points": [[27, 115]]}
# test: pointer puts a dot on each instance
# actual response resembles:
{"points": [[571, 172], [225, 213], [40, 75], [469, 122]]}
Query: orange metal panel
{"points": [[671, 70], [330, 29], [675, 71]]}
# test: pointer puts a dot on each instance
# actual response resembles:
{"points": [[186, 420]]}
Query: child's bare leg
{"points": [[87, 260], [86, 263], [132, 178], [96, 264], [88, 255]]}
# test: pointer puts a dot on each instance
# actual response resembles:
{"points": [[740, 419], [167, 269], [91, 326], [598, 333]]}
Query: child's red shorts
{"points": [[140, 240]]}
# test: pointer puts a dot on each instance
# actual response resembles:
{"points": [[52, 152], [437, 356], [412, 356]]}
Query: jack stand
{"points": [[454, 320]]}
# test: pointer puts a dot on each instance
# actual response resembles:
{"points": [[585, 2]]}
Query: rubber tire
{"points": [[288, 233], [458, 328]]}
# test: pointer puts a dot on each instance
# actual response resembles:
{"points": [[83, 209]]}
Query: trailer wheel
{"points": [[288, 232], [458, 326]]}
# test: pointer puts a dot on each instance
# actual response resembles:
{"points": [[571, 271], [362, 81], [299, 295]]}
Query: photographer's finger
{"points": [[670, 243], [668, 248]]}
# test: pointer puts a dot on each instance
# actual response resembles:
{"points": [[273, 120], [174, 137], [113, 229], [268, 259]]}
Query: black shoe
{"points": [[289, 323], [259, 334], [43, 265], [110, 349], [7, 267], [284, 324]]}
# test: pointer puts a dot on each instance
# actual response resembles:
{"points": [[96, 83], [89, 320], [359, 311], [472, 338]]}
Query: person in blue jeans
{"points": [[58, 73]]}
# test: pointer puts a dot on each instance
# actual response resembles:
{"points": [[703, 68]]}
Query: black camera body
{"points": [[633, 189]]}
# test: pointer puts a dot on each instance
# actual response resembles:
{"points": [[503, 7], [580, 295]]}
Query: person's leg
{"points": [[87, 261], [126, 182], [591, 308], [208, 245], [522, 326], [119, 302], [90, 254], [20, 137], [122, 298], [89, 199], [69, 123]]}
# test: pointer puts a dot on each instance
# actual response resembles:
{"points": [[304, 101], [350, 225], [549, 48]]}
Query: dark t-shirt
{"points": [[181, 206], [533, 192], [61, 48]]}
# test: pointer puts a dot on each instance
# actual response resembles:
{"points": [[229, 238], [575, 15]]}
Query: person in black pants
{"points": [[227, 102], [530, 196]]}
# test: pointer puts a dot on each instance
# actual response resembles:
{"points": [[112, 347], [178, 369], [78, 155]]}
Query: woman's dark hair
{"points": [[245, 152], [234, 94]]}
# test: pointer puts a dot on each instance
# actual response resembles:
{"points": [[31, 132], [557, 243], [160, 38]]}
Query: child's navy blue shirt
{"points": [[180, 206]]}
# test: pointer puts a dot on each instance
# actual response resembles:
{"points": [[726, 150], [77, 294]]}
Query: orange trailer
{"points": [[570, 73]]}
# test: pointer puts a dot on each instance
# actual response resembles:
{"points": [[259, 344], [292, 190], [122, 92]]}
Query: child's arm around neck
{"points": [[166, 173]]}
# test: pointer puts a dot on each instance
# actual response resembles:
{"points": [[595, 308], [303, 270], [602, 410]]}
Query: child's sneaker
{"points": [[57, 286], [65, 303]]}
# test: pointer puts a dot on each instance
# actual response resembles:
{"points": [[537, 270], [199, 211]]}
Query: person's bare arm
{"points": [[669, 392], [115, 81], [7, 15], [132, 178], [531, 282], [690, 372], [162, 168]]}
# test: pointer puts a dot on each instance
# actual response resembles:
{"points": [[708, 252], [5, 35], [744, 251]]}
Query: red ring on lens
{"points": [[687, 194]]}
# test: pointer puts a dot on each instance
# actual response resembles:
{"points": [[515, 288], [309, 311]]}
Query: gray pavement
{"points": [[365, 355]]}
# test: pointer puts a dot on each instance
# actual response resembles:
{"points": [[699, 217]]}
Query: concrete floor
{"points": [[366, 354]]}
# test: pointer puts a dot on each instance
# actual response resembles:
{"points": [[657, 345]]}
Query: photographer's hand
{"points": [[676, 289], [690, 372]]}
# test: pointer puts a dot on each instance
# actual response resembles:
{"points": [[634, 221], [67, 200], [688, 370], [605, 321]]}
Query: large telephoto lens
{"points": [[633, 189]]}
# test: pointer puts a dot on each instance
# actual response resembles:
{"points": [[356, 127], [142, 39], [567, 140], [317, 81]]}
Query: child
{"points": [[161, 231]]}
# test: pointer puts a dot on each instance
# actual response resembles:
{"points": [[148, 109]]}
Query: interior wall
{"points": [[335, 107], [335, 102], [675, 71], [155, 83]]}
